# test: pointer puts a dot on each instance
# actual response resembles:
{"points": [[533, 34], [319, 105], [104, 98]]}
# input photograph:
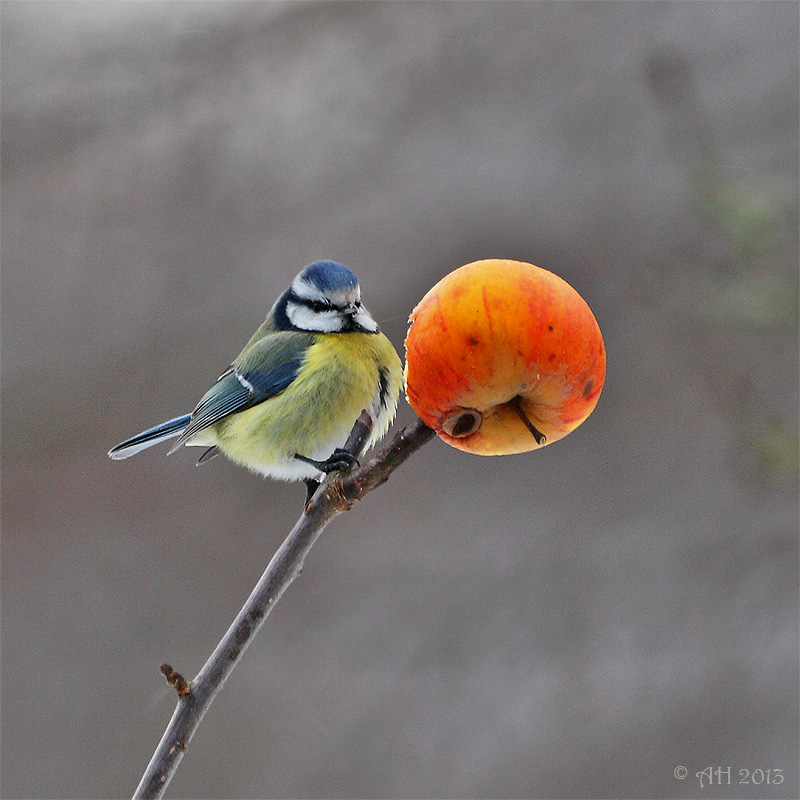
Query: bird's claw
{"points": [[339, 461]]}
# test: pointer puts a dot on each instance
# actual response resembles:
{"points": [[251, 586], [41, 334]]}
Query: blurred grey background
{"points": [[576, 622]]}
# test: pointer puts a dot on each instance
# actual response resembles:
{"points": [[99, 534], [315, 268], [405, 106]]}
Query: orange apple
{"points": [[503, 357]]}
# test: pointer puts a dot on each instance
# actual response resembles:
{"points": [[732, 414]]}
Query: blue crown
{"points": [[328, 275]]}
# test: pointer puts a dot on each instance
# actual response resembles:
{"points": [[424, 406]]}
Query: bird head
{"points": [[324, 298]]}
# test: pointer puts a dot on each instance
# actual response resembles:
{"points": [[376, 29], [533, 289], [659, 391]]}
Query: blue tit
{"points": [[286, 405]]}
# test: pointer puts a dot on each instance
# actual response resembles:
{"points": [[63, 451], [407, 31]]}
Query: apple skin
{"points": [[497, 337]]}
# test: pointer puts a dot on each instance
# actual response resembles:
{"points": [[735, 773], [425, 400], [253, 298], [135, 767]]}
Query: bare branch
{"points": [[337, 494]]}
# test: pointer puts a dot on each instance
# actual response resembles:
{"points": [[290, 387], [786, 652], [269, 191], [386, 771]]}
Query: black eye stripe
{"points": [[316, 306], [319, 305]]}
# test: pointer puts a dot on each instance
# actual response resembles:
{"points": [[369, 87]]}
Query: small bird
{"points": [[286, 405]]}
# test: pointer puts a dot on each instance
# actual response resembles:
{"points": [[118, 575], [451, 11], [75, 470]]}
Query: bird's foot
{"points": [[339, 461]]}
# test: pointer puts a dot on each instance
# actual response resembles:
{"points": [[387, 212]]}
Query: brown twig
{"points": [[337, 494], [176, 680]]}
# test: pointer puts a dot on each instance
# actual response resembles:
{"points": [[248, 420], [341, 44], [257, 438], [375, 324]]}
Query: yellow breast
{"points": [[341, 375]]}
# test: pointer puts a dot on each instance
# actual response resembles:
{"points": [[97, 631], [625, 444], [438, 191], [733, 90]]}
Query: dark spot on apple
{"points": [[587, 390]]}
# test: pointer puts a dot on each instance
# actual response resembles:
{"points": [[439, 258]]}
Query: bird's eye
{"points": [[318, 306]]}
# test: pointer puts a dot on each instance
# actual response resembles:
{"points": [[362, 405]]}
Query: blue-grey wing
{"points": [[263, 370]]}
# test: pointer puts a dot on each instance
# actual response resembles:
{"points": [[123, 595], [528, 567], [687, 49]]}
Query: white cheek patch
{"points": [[308, 320], [365, 321]]}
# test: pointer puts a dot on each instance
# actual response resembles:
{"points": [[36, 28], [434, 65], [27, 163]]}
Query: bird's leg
{"points": [[339, 461]]}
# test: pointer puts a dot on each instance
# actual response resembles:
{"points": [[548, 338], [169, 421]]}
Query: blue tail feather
{"points": [[145, 439]]}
